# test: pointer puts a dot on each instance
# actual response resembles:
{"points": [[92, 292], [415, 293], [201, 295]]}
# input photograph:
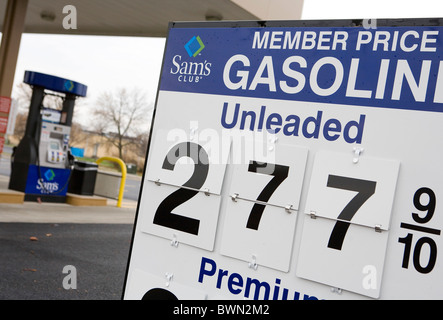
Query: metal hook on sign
{"points": [[336, 290], [288, 208], [234, 197], [193, 130], [157, 182], [357, 152], [253, 264], [174, 241], [168, 277], [272, 140]]}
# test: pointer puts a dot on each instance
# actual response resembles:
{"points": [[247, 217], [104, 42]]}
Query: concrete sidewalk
{"points": [[34, 212]]}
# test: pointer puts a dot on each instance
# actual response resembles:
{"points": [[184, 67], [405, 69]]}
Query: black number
{"points": [[365, 189], [159, 294], [407, 241], [280, 173], [432, 256], [429, 207], [417, 252], [164, 215]]}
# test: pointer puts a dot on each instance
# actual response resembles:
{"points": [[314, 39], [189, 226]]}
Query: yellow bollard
{"points": [[123, 181]]}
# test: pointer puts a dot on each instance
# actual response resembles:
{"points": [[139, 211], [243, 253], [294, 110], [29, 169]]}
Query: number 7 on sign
{"points": [[280, 173], [364, 188]]}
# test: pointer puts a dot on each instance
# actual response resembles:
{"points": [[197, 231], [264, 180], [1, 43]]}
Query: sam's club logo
{"points": [[48, 186], [49, 175], [69, 85], [191, 68], [194, 46]]}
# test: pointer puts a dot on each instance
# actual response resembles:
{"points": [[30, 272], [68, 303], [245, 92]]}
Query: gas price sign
{"points": [[294, 160]]}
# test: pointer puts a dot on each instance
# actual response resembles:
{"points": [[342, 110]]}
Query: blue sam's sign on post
{"points": [[44, 181], [359, 66]]}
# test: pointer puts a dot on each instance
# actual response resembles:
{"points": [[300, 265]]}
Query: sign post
{"points": [[294, 160]]}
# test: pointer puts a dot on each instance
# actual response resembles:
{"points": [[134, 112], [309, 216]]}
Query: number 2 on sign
{"points": [[164, 215]]}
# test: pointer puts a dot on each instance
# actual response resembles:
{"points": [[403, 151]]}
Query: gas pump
{"points": [[41, 163]]}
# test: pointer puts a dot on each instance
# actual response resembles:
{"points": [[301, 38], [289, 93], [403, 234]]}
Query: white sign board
{"points": [[294, 160]]}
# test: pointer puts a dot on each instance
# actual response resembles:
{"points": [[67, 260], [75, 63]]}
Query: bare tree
{"points": [[121, 116], [23, 93]]}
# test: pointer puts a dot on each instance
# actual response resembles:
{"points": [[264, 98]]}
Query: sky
{"points": [[101, 63], [366, 9], [107, 63]]}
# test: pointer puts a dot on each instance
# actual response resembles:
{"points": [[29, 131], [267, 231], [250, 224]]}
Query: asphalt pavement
{"points": [[67, 261]]}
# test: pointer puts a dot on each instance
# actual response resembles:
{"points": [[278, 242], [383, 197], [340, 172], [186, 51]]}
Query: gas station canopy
{"points": [[120, 18], [135, 17]]}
